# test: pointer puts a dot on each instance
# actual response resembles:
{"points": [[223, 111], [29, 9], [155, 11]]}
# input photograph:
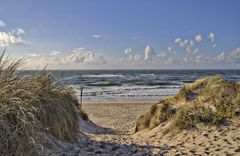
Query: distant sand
{"points": [[121, 117]]}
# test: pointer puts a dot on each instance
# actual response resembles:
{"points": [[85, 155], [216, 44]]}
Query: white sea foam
{"points": [[103, 75], [133, 93]]}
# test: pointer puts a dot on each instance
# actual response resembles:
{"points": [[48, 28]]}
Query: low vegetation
{"points": [[33, 107], [210, 100]]}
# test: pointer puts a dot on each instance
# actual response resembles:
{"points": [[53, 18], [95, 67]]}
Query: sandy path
{"points": [[121, 118]]}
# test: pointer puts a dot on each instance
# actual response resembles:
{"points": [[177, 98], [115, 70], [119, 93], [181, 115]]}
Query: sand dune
{"points": [[121, 119]]}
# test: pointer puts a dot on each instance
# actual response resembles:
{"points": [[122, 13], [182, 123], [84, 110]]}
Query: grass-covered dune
{"points": [[210, 100], [31, 108]]}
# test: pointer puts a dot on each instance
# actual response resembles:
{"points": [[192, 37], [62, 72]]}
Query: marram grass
{"points": [[210, 100], [31, 107]]}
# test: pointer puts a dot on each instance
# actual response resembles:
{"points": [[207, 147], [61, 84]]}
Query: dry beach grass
{"points": [[31, 107]]}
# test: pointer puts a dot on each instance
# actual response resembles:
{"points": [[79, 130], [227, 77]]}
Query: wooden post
{"points": [[81, 92]]}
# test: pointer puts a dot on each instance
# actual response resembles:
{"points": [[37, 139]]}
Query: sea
{"points": [[131, 85]]}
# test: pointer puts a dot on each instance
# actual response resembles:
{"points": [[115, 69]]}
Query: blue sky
{"points": [[82, 34]]}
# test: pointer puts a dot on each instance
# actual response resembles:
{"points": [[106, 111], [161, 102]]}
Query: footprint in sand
{"points": [[237, 150]]}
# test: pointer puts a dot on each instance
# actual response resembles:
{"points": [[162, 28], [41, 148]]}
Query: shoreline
{"points": [[123, 102]]}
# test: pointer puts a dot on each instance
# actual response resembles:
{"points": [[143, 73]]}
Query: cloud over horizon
{"points": [[182, 52], [135, 58], [76, 58]]}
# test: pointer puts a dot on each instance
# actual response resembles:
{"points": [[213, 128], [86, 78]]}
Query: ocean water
{"points": [[132, 85]]}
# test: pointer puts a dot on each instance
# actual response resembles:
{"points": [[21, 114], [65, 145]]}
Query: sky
{"points": [[124, 34]]}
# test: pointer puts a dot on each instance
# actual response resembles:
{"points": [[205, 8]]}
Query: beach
{"points": [[118, 116], [119, 119]]}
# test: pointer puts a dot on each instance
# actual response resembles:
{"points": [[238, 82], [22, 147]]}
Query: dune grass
{"points": [[210, 100], [31, 107]]}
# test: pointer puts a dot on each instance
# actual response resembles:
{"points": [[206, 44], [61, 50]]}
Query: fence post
{"points": [[81, 92]]}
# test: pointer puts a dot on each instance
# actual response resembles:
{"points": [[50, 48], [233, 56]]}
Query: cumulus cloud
{"points": [[79, 56], [178, 40], [148, 53], [211, 37], [199, 38], [188, 45], [221, 57], [2, 24], [200, 59], [18, 31], [230, 57], [37, 61], [8, 38], [145, 57], [234, 56], [166, 57], [131, 56], [54, 52], [84, 56], [96, 36]]}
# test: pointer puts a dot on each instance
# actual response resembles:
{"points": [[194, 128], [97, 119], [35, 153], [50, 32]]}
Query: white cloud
{"points": [[36, 61], [162, 54], [145, 57], [169, 49], [54, 52], [200, 59], [96, 36], [18, 31], [183, 43], [8, 38], [128, 51], [84, 56], [188, 45], [178, 40], [131, 56], [33, 55], [199, 38], [234, 57], [211, 37], [221, 57], [148, 53], [2, 24], [77, 58], [165, 57]]}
